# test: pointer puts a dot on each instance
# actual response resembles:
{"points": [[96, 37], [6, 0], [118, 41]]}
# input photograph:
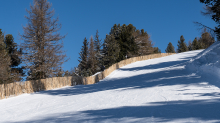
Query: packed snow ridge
{"points": [[179, 88]]}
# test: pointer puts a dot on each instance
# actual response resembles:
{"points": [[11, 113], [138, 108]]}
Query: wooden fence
{"points": [[18, 88]]}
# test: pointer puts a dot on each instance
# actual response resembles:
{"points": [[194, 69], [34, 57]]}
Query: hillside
{"points": [[179, 88]]}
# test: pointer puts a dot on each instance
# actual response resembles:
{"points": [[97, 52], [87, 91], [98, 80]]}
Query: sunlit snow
{"points": [[179, 88]]}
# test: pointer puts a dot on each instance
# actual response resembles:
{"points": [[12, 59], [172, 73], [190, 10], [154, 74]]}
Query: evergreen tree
{"points": [[189, 45], [196, 45], [157, 50], [212, 10], [60, 73], [5, 62], [98, 51], [15, 56], [43, 50], [83, 59], [182, 45], [170, 48], [206, 40], [124, 36], [144, 43], [67, 73], [92, 61], [111, 50]]}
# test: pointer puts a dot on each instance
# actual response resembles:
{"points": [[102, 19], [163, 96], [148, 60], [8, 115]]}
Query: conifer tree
{"points": [[15, 56], [196, 45], [206, 39], [111, 50], [124, 36], [144, 43], [5, 62], [83, 59], [170, 48], [98, 55], [212, 10], [156, 50], [43, 50], [67, 73], [92, 61], [182, 45], [189, 45], [60, 73]]}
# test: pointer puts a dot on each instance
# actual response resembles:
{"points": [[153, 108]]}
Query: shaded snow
{"points": [[167, 89]]}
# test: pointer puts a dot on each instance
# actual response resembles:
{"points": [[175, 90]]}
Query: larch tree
{"points": [[206, 39], [43, 49], [170, 48], [144, 43], [92, 61], [182, 47]]}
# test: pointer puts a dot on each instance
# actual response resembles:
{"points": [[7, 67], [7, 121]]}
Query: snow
{"points": [[179, 88]]}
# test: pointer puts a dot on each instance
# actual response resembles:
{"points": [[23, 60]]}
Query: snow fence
{"points": [[18, 88]]}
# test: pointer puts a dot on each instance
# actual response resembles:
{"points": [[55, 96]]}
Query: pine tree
{"points": [[189, 45], [5, 62], [67, 73], [212, 10], [15, 56], [196, 45], [98, 50], [182, 45], [170, 48], [124, 36], [156, 50], [92, 61], [43, 50], [206, 40], [60, 73], [83, 59], [144, 43], [111, 50]]}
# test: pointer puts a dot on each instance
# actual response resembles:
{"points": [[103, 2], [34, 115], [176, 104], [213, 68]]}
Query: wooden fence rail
{"points": [[18, 88]]}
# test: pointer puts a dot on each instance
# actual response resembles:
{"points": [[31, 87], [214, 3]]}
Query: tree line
{"points": [[122, 42], [41, 56], [202, 42]]}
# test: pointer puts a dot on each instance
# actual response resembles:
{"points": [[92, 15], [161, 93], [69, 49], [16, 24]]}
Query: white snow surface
{"points": [[179, 88]]}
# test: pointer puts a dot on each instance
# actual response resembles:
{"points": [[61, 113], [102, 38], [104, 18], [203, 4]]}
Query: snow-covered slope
{"points": [[207, 63], [167, 89]]}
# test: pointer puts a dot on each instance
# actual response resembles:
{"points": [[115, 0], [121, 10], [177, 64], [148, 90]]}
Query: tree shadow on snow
{"points": [[160, 78], [167, 111], [173, 111]]}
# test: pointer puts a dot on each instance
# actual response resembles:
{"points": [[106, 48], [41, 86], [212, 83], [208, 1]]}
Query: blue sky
{"points": [[164, 20]]}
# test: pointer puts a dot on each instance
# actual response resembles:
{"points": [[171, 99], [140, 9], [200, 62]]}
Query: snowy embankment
{"points": [[168, 89], [207, 63]]}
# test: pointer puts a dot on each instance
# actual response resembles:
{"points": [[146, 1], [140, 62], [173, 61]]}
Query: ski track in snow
{"points": [[155, 90]]}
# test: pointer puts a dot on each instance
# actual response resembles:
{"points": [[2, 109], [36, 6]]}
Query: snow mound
{"points": [[207, 62]]}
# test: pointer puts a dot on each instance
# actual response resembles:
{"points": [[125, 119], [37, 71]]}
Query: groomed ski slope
{"points": [[156, 90]]}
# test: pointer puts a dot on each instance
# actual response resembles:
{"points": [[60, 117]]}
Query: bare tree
{"points": [[211, 10], [42, 47]]}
